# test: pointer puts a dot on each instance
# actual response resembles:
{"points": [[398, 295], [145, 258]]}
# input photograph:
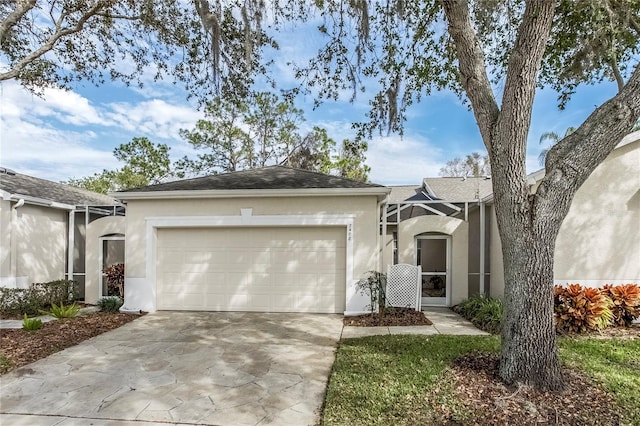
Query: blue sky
{"points": [[73, 133]]}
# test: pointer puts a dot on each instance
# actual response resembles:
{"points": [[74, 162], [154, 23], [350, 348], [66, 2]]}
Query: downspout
{"points": [[71, 244], [482, 245], [14, 238]]}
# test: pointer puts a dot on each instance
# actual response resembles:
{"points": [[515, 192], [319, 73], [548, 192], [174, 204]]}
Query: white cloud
{"points": [[50, 153], [65, 106], [402, 161], [64, 135], [153, 118]]}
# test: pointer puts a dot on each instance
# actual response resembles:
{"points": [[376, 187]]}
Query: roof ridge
{"points": [[324, 174]]}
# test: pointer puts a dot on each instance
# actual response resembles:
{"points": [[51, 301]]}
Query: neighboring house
{"points": [[40, 220]]}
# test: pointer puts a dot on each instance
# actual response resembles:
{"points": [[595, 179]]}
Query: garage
{"points": [[260, 269]]}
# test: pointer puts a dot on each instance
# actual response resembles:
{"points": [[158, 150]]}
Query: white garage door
{"points": [[283, 269]]}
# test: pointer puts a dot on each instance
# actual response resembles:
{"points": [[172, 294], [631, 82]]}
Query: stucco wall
{"points": [[365, 226], [457, 229], [497, 263], [387, 247], [599, 240], [41, 238], [93, 269], [5, 238]]}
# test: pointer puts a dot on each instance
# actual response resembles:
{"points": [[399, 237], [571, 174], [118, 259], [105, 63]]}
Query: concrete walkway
{"points": [[444, 320], [182, 367]]}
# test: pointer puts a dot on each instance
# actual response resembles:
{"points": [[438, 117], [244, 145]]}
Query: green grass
{"points": [[383, 379], [614, 364], [389, 380]]}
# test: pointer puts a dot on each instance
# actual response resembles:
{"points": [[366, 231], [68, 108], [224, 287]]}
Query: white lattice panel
{"points": [[403, 286]]}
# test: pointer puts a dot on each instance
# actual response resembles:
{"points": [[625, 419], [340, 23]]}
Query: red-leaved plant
{"points": [[626, 302], [579, 309], [115, 278]]}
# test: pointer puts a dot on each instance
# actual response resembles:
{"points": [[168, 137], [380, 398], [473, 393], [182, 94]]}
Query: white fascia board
{"points": [[488, 199], [42, 202], [5, 195], [253, 193], [534, 177]]}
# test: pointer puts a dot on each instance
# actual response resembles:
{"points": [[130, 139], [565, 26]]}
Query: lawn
{"points": [[390, 380], [614, 364]]}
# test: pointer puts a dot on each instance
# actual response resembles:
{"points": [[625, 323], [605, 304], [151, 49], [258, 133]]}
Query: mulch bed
{"points": [[477, 385], [391, 317], [632, 332], [22, 347]]}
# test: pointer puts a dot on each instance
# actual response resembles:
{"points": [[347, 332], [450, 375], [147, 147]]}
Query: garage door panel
{"points": [[257, 269]]}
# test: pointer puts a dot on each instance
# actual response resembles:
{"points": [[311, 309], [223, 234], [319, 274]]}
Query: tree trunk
{"points": [[529, 352]]}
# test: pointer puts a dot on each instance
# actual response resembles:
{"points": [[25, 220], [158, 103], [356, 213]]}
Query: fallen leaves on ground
{"points": [[477, 385], [22, 347]]}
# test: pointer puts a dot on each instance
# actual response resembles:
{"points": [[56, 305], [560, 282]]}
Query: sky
{"points": [[71, 134]]}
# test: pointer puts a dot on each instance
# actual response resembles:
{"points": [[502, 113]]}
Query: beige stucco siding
{"points": [[600, 238], [497, 262], [41, 236], [5, 238]]}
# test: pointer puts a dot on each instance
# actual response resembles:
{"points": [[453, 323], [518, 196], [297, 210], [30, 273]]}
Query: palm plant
{"points": [[554, 138]]}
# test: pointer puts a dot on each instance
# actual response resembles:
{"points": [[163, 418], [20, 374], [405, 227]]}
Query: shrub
{"points": [[31, 324], [626, 303], [37, 297], [579, 309], [21, 301], [109, 304], [373, 285], [484, 312], [57, 292], [63, 311], [115, 278]]}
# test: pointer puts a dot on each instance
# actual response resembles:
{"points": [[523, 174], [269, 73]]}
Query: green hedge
{"points": [[37, 297]]}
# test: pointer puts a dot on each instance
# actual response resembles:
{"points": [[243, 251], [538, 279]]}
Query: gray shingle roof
{"points": [[58, 192], [459, 189], [273, 177], [401, 193]]}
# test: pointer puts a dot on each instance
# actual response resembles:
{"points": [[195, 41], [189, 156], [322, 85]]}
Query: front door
{"points": [[111, 253], [433, 254]]}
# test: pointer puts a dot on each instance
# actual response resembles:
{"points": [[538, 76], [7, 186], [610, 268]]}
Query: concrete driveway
{"points": [[182, 367]]}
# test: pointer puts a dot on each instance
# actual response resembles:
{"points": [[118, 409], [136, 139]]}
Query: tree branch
{"points": [[616, 73], [473, 70], [522, 72], [52, 40], [574, 158], [22, 7]]}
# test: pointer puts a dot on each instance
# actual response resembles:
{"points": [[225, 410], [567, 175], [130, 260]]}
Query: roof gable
{"points": [[459, 188]]}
